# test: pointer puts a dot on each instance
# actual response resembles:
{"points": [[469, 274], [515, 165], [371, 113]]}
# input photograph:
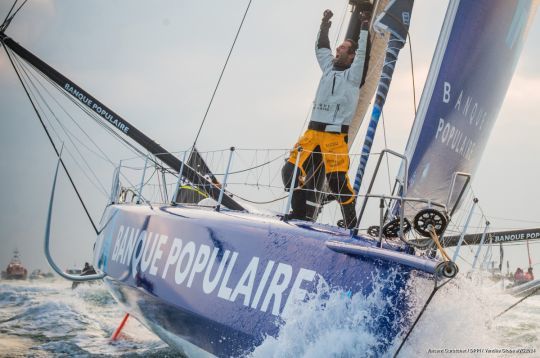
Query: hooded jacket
{"points": [[339, 88]]}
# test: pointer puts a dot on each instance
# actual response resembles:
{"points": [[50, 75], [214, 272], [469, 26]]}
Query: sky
{"points": [[157, 63]]}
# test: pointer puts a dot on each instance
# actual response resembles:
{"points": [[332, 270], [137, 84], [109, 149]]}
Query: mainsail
{"points": [[475, 59]]}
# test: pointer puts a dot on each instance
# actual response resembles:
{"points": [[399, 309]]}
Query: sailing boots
{"points": [[349, 216]]}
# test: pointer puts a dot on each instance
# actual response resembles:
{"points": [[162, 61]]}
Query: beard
{"points": [[342, 61]]}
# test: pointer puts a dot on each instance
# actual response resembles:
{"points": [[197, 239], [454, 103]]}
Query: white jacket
{"points": [[338, 92]]}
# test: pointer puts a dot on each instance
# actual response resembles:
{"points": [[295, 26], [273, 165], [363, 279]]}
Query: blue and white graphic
{"points": [[456, 116]]}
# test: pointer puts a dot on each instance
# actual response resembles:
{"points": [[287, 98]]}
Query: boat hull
{"points": [[215, 282], [14, 276], [525, 288], [15, 271]]}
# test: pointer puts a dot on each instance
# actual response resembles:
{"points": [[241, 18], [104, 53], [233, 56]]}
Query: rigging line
{"points": [[475, 196], [255, 149], [103, 155], [516, 220], [435, 289], [92, 115], [104, 190], [151, 176], [308, 115], [412, 73], [100, 187], [159, 185], [344, 12], [28, 80], [3, 26], [52, 142], [529, 254], [386, 146], [15, 13], [98, 121], [399, 21], [8, 21], [518, 302], [260, 202], [71, 154], [221, 75], [115, 135], [252, 168]]}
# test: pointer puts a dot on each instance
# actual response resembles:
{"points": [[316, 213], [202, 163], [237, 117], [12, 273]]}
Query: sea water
{"points": [[46, 318]]}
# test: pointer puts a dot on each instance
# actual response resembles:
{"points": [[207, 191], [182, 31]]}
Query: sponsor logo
{"points": [[187, 262], [471, 117], [516, 236], [96, 107]]}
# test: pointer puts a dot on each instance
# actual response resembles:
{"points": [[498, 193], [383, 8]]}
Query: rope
{"points": [[411, 55], [435, 289], [518, 302], [3, 26], [221, 75], [260, 202], [412, 73], [341, 24], [52, 142], [386, 147], [97, 120], [254, 167], [100, 185], [437, 242], [8, 18], [103, 155]]}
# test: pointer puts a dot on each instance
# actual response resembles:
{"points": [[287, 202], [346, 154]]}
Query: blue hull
{"points": [[220, 281]]}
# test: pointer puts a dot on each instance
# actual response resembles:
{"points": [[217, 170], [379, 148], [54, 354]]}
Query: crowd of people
{"points": [[520, 276]]}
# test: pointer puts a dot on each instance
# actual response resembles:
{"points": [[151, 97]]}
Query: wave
{"points": [[461, 316], [64, 322]]}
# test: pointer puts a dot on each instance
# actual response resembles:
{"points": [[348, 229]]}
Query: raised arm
{"points": [[322, 46], [357, 67]]}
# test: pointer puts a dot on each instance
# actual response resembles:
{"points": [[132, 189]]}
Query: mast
{"points": [[116, 121], [353, 30], [396, 20]]}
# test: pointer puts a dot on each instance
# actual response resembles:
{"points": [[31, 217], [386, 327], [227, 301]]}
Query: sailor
{"points": [[333, 109], [529, 275], [518, 275]]}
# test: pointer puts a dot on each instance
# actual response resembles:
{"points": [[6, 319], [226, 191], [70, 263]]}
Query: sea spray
{"points": [[334, 323], [460, 319]]}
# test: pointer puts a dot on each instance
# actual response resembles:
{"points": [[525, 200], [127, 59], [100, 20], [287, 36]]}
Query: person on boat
{"points": [[518, 275], [333, 110], [529, 275]]}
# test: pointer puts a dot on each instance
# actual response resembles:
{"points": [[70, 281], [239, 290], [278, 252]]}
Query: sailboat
{"points": [[216, 280]]}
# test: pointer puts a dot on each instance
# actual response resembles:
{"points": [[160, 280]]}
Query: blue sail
{"points": [[475, 59]]}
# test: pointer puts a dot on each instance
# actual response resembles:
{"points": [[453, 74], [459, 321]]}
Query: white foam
{"points": [[460, 316]]}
